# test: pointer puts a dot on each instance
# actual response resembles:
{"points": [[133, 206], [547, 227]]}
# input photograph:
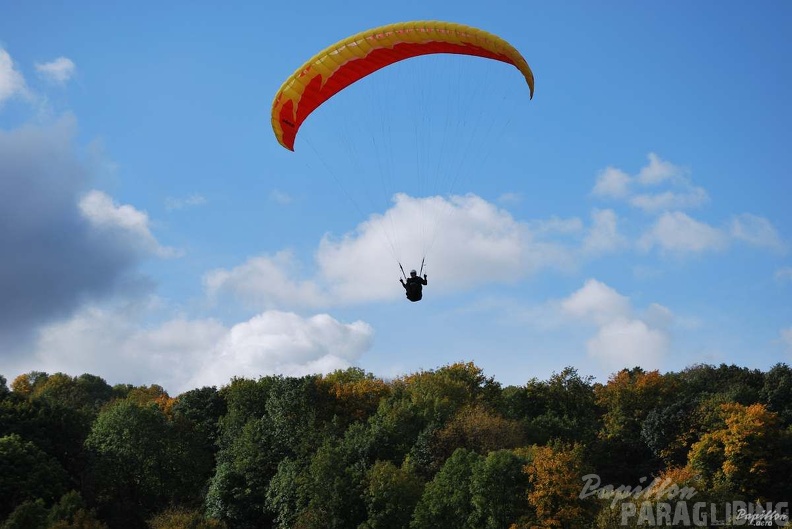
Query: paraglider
{"points": [[414, 286], [344, 63]]}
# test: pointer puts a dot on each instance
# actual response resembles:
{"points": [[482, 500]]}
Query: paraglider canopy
{"points": [[355, 57]]}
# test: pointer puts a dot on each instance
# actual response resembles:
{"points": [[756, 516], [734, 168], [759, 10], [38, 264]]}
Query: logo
{"points": [[664, 503]]}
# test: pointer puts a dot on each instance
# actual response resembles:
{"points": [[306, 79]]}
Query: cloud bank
{"points": [[182, 354], [663, 191], [622, 339], [472, 241], [60, 244]]}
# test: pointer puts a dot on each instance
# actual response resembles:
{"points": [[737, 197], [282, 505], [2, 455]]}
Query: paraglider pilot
{"points": [[414, 286]]}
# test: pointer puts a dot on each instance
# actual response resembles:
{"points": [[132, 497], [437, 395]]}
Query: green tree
{"points": [[284, 497], [237, 491], [397, 426], [28, 515], [231, 500], [203, 407], [267, 421], [737, 384], [57, 430], [85, 394], [140, 462], [777, 392], [670, 431], [628, 398], [447, 500], [55, 412], [335, 480], [27, 474], [391, 495], [71, 513], [298, 414], [245, 399], [563, 408], [67, 506], [498, 490], [439, 394]]}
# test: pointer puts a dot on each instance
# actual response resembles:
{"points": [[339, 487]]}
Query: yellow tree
{"points": [[555, 477], [479, 429], [153, 394], [25, 384], [748, 453], [356, 394], [439, 394]]}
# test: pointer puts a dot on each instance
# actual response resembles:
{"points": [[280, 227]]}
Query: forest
{"points": [[448, 448]]}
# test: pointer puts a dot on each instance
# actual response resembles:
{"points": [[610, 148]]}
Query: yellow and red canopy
{"points": [[353, 58]]}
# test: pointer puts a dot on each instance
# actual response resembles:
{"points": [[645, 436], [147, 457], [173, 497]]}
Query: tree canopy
{"points": [[448, 447]]}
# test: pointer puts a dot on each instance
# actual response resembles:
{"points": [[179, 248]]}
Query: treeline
{"points": [[447, 448]]}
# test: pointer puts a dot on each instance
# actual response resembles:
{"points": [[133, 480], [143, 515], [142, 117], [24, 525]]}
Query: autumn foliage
{"points": [[444, 448]]}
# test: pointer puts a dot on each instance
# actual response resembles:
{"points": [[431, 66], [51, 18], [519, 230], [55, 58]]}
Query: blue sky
{"points": [[635, 212]]}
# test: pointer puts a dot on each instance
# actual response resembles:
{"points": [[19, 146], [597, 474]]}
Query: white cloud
{"points": [[124, 221], [613, 183], [58, 71], [658, 316], [285, 343], [12, 83], [624, 343], [681, 193], [268, 282], [756, 231], [659, 171], [597, 302], [653, 203], [183, 203], [114, 345], [664, 189], [678, 233], [102, 211], [181, 354], [468, 239], [622, 339], [603, 236]]}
